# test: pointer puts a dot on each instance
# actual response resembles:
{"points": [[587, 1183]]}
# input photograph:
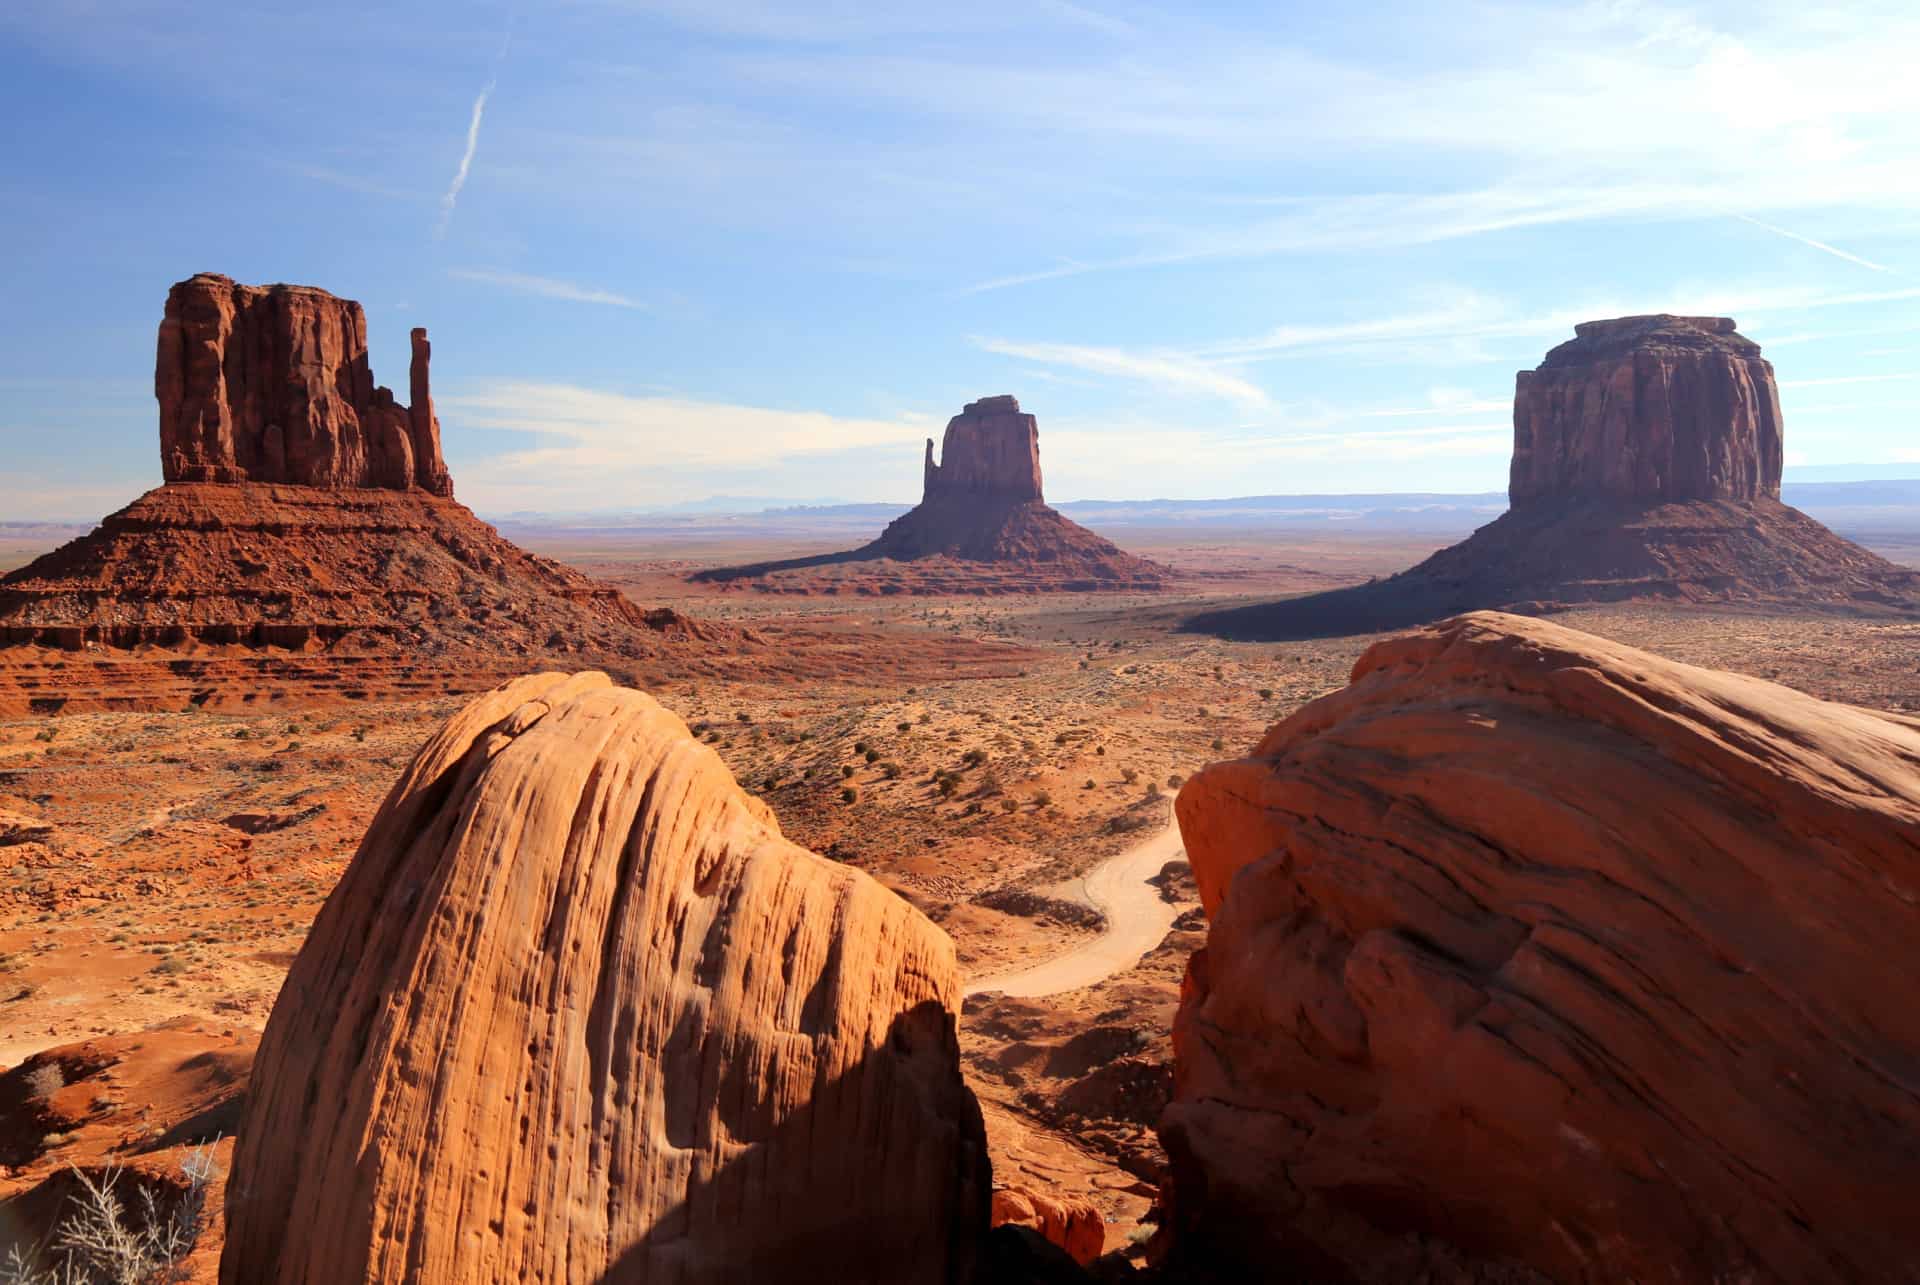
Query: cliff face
{"points": [[1533, 948], [578, 1012], [272, 384], [991, 451], [1656, 409]]}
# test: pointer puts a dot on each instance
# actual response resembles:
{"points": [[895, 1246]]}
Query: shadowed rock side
{"points": [[1533, 951], [981, 526], [272, 384], [578, 1012], [1646, 465]]}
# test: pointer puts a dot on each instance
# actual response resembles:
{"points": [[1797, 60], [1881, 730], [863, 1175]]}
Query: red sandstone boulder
{"points": [[272, 384], [578, 1012], [1541, 951]]}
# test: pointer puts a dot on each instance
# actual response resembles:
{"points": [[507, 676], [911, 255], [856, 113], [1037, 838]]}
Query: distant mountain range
{"points": [[1874, 504]]}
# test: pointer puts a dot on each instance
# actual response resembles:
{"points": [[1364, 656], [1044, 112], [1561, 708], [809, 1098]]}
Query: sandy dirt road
{"points": [[1137, 920]]}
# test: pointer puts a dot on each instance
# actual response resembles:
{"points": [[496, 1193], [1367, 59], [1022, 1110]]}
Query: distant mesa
{"points": [[304, 510], [272, 384], [1646, 467], [982, 526]]}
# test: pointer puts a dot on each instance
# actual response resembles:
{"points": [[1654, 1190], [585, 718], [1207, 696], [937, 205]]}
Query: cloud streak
{"points": [[543, 287], [1835, 251], [452, 195], [1174, 373]]}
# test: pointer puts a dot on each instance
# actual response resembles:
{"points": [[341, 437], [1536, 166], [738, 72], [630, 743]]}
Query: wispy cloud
{"points": [[544, 287], [1174, 373], [594, 448], [1849, 379], [1835, 251], [452, 196]]}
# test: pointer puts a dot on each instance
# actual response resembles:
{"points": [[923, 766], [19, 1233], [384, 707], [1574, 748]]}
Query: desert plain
{"points": [[160, 870]]}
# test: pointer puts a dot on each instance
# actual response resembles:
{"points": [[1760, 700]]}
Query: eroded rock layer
{"points": [[304, 567], [272, 384], [1543, 953], [578, 1012]]}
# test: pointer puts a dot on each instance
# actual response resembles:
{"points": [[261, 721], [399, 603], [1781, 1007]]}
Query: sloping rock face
{"points": [[299, 567], [1655, 409], [981, 526], [272, 384], [578, 1012], [1646, 467], [1531, 951]]}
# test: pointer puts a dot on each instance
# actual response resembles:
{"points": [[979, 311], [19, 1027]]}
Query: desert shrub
{"points": [[925, 719], [947, 786], [105, 1240], [743, 717], [903, 727], [45, 1080], [1175, 780], [890, 770], [1043, 800], [1219, 744], [1266, 693], [1129, 775], [846, 770], [1009, 805], [872, 756], [859, 747], [1100, 751], [1088, 785], [848, 794], [974, 757]]}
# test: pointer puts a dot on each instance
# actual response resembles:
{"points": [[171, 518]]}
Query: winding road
{"points": [[1137, 920]]}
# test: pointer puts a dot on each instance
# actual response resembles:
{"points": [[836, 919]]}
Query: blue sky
{"points": [[677, 248]]}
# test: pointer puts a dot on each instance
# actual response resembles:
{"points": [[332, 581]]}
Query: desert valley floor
{"points": [[161, 869]]}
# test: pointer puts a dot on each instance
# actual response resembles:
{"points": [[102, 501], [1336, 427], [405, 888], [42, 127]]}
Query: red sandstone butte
{"points": [[1656, 408], [1537, 951], [982, 526], [272, 384]]}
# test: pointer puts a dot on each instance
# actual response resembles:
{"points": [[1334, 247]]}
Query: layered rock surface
{"points": [[272, 384], [1646, 466], [1653, 409], [298, 567], [1535, 952], [982, 526], [577, 1011]]}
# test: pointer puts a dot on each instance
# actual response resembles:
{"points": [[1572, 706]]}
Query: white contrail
{"points": [[466, 160], [1834, 250]]}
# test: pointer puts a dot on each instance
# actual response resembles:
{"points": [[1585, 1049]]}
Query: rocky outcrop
{"points": [[1646, 467], [1536, 951], [991, 451], [1653, 409], [272, 384], [577, 1011], [306, 568], [981, 526]]}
